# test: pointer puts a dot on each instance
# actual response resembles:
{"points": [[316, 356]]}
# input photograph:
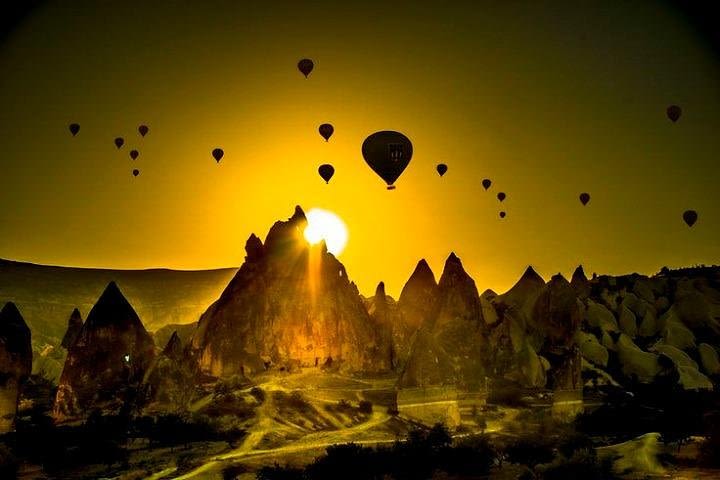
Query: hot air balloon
{"points": [[501, 196], [486, 183], [674, 112], [690, 217], [134, 154], [306, 66], [326, 171], [388, 153], [218, 154], [119, 142], [502, 214], [74, 128], [441, 169], [326, 130], [143, 129], [136, 172], [584, 198]]}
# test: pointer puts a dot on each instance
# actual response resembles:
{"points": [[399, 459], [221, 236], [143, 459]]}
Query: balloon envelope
{"points": [[486, 183], [441, 169], [501, 196], [136, 172], [218, 154], [119, 142], [502, 214], [306, 66], [326, 171], [388, 153], [143, 129], [134, 154], [690, 217], [74, 128], [674, 112], [326, 130], [584, 198]]}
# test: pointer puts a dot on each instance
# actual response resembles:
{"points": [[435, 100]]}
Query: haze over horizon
{"points": [[545, 105]]}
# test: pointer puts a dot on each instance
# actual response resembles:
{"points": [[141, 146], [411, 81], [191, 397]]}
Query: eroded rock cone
{"points": [[15, 362], [106, 363], [289, 305], [75, 323]]}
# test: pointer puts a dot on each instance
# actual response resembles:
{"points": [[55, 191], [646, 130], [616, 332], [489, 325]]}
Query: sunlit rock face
{"points": [[15, 362], [107, 361], [289, 305], [450, 347], [75, 323], [418, 296]]}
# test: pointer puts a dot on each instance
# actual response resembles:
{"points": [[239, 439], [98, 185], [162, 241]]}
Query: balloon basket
{"points": [[391, 187]]}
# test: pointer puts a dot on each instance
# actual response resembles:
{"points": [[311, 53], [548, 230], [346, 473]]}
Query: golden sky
{"points": [[546, 99]]}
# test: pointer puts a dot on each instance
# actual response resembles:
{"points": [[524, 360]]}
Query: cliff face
{"points": [[108, 359], [290, 304], [75, 323], [15, 362]]}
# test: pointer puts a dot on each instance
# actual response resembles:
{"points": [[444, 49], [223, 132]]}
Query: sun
{"points": [[325, 225]]}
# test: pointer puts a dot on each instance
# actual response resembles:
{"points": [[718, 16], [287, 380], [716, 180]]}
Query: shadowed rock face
{"points": [[557, 312], [289, 304], [107, 360], [75, 323], [450, 346], [385, 313], [15, 362], [170, 382], [418, 296]]}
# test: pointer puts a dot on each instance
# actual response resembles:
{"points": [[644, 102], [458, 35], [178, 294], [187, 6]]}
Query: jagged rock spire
{"points": [[75, 323]]}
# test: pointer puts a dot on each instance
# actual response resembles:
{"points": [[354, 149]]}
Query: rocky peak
{"points": [[112, 309], [457, 294], [253, 248], [15, 362], [287, 236], [380, 291], [420, 284], [14, 332], [75, 323], [173, 348], [579, 275]]}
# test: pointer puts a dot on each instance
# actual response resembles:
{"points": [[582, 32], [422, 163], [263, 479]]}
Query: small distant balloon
{"points": [[501, 196], [388, 153], [326, 130], [441, 169], [674, 112], [306, 66], [486, 183], [143, 129], [502, 214], [136, 172], [74, 128], [218, 154], [690, 217], [134, 154], [584, 198], [326, 171], [119, 142]]}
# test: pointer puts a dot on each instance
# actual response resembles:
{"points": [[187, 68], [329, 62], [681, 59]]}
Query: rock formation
{"points": [[106, 363], [15, 362], [75, 323], [289, 305]]}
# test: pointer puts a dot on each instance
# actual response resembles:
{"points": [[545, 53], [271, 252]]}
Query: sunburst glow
{"points": [[325, 225]]}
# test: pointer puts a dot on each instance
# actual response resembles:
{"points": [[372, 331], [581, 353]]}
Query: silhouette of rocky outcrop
{"points": [[15, 362], [290, 304], [106, 363], [75, 323]]}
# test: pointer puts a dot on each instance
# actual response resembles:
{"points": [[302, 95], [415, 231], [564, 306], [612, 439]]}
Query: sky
{"points": [[547, 99]]}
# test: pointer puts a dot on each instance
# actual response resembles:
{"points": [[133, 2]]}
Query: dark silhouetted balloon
{"points": [[690, 217], [584, 198], [143, 129], [501, 196], [218, 154], [674, 112], [136, 172], [388, 153], [326, 171], [326, 130], [119, 142], [134, 154], [306, 66], [74, 128], [502, 214], [441, 169], [486, 183]]}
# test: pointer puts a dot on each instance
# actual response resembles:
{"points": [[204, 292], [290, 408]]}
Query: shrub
{"points": [[366, 407]]}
